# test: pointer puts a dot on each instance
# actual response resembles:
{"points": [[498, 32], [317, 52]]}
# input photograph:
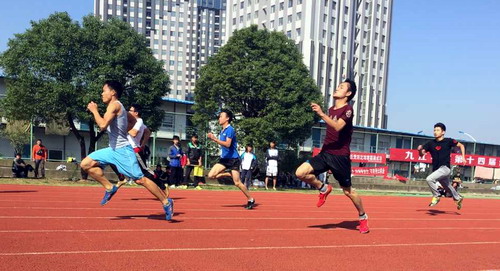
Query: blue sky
{"points": [[444, 61]]}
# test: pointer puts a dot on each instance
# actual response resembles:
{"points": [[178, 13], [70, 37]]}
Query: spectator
{"points": [[160, 174], [272, 158], [20, 168], [194, 159], [40, 154], [248, 164], [175, 154]]}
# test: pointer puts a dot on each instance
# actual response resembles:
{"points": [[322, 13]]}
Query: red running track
{"points": [[65, 228]]}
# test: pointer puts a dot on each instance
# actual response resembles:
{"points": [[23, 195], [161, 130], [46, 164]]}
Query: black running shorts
{"points": [[339, 165], [230, 163]]}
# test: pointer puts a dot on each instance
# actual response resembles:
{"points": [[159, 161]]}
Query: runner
{"points": [[117, 122], [229, 158], [335, 154]]}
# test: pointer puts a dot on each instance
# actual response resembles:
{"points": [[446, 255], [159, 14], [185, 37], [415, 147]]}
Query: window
{"points": [[242, 5], [299, 2], [299, 16], [273, 8], [171, 63], [289, 34], [290, 3], [168, 122], [272, 24], [289, 18], [280, 21], [298, 31], [282, 5], [346, 10], [55, 155]]}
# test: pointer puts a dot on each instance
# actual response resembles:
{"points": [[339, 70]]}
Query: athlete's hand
{"points": [[92, 107], [211, 136], [316, 108], [463, 160]]}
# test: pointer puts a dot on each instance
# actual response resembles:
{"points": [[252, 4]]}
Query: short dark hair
{"points": [[440, 125], [137, 108], [38, 139], [352, 88], [116, 86], [194, 135], [229, 114], [18, 154], [176, 137]]}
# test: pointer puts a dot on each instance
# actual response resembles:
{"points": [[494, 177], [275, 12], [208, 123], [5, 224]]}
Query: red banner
{"points": [[365, 157], [369, 171], [475, 160], [407, 155], [361, 157]]}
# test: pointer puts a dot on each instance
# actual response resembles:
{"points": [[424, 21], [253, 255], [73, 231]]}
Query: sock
{"points": [[363, 216], [251, 200], [323, 188], [109, 190]]}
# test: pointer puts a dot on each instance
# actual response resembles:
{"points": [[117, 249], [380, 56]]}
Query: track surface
{"points": [[65, 228]]}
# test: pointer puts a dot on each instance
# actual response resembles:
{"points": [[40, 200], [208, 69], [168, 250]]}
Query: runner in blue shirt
{"points": [[229, 158]]}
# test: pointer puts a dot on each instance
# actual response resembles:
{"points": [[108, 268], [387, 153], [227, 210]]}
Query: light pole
{"points": [[473, 150]]}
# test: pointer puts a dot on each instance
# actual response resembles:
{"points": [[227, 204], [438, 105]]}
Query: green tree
{"points": [[58, 66], [18, 133], [260, 76]]}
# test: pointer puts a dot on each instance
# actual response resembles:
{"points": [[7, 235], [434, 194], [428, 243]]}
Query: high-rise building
{"points": [[181, 33], [339, 39]]}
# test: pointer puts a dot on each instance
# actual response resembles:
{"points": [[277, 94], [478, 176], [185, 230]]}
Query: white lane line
{"points": [[234, 230], [213, 210], [245, 248], [244, 218]]}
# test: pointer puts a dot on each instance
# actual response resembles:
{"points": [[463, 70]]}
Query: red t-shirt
{"points": [[337, 143]]}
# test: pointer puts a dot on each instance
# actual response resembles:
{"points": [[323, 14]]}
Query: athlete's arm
{"points": [[226, 143], [135, 129], [338, 124], [145, 137], [462, 149], [111, 112]]}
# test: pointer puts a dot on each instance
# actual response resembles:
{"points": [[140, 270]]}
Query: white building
{"points": [[183, 34], [338, 38]]}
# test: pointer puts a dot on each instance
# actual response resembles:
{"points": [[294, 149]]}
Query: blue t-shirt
{"points": [[232, 151]]}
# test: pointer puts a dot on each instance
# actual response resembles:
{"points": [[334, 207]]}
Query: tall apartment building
{"points": [[338, 38], [181, 33]]}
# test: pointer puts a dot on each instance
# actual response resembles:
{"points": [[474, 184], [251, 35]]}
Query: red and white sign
{"points": [[475, 160], [407, 155], [361, 157], [370, 171], [365, 157]]}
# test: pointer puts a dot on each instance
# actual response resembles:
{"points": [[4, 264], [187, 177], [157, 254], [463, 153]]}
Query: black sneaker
{"points": [[250, 204]]}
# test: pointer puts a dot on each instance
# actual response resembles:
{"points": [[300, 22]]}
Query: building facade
{"points": [[339, 39], [181, 33]]}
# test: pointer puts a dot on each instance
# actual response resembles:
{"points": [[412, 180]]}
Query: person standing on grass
{"points": [[118, 122], [229, 158], [194, 159], [175, 154], [40, 154], [440, 150], [248, 164], [335, 154], [272, 158]]}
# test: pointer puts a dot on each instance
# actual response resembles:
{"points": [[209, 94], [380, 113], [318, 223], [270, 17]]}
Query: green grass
{"points": [[219, 187]]}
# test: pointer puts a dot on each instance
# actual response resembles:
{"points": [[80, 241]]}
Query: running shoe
{"points": [[434, 201], [459, 203], [108, 195], [323, 195], [363, 226], [198, 188], [250, 204], [169, 209]]}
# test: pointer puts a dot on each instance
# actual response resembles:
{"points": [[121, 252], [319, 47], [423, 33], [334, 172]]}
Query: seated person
{"points": [[160, 174], [20, 168]]}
